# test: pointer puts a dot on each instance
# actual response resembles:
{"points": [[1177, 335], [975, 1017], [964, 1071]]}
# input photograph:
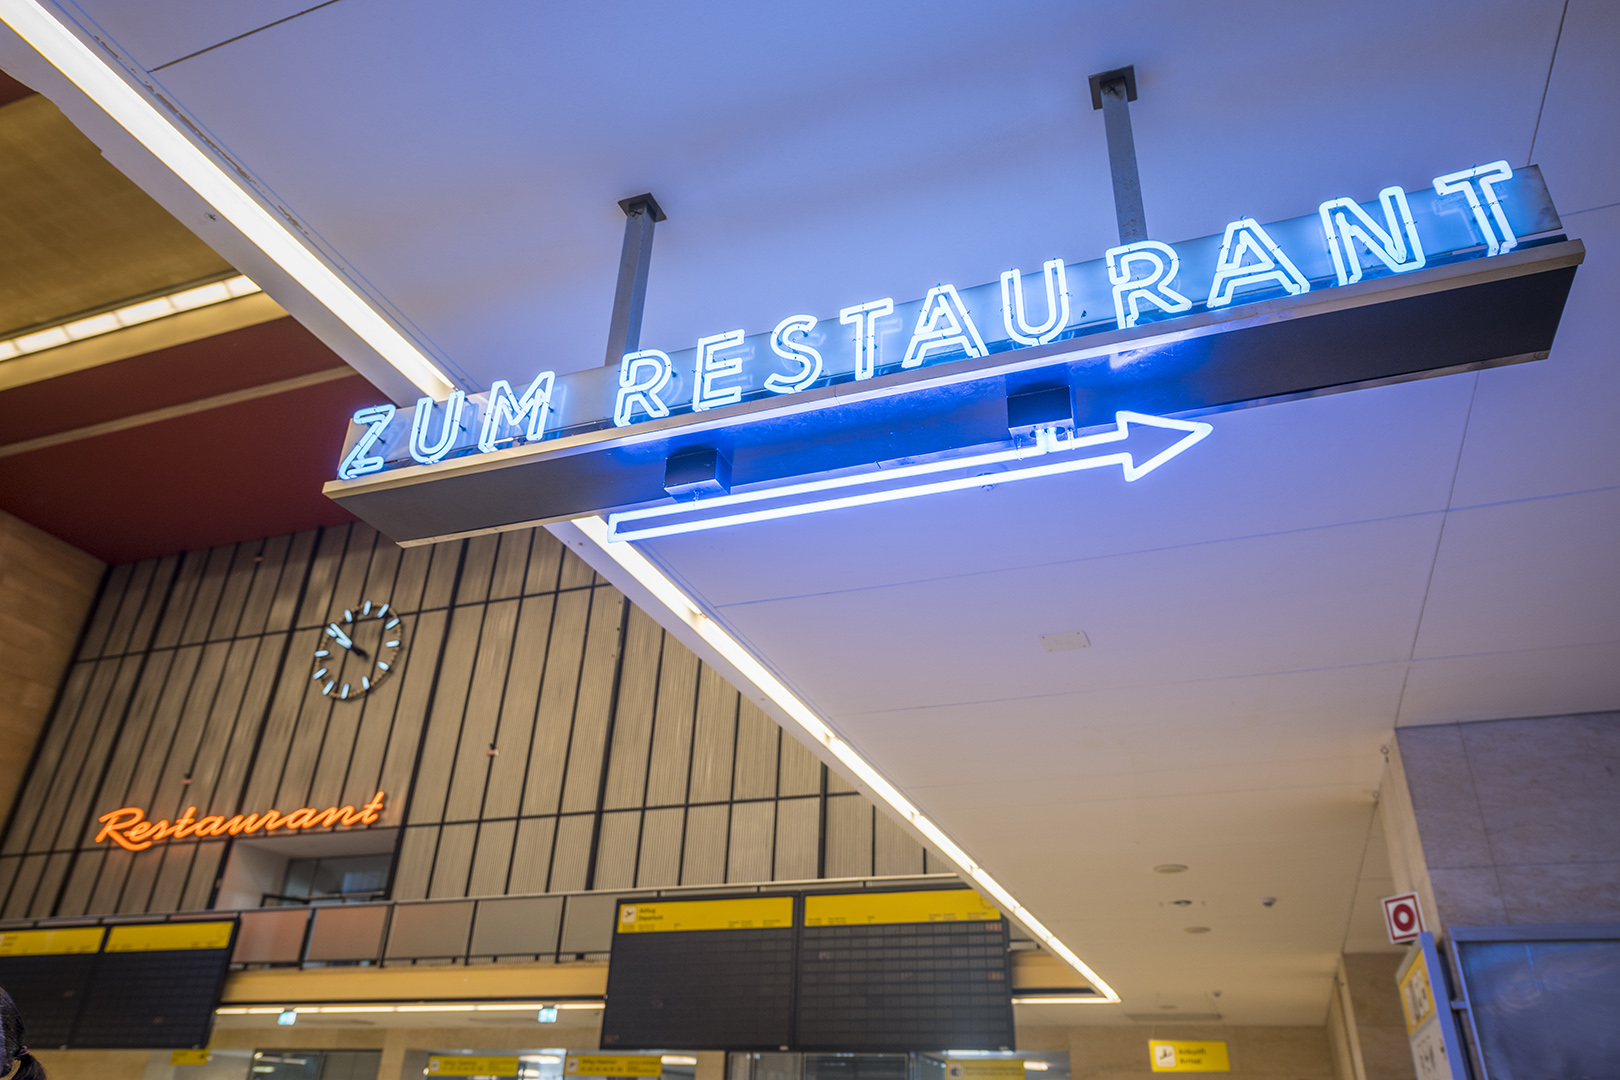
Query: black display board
{"points": [[48, 991], [872, 972], [146, 986], [905, 986], [703, 983]]}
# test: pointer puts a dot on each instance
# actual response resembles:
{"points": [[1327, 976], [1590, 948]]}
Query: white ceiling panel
{"points": [[1127, 740], [1316, 598], [467, 168], [1528, 682], [1538, 573], [1547, 428], [158, 32], [1575, 139]]}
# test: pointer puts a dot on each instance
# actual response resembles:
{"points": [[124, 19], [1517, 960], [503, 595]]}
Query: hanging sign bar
{"points": [[1133, 331]]}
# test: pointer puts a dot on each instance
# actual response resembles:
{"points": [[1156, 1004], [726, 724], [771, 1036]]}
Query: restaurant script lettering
{"points": [[129, 828]]}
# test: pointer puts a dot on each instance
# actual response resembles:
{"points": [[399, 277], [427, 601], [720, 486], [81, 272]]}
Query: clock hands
{"points": [[347, 642]]}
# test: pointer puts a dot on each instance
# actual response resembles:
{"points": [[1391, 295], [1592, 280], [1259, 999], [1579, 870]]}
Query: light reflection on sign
{"points": [[1470, 214], [128, 828]]}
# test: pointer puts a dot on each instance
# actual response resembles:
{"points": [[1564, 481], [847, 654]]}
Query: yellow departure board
{"points": [[872, 908], [661, 917]]}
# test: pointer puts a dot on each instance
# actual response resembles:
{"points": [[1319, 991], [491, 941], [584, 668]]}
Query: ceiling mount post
{"points": [[641, 212], [1112, 91]]}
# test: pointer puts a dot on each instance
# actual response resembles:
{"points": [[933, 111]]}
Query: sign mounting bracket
{"points": [[1111, 92], [641, 212]]}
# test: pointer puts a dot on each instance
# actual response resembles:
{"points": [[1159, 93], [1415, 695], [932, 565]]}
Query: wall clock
{"points": [[358, 651]]}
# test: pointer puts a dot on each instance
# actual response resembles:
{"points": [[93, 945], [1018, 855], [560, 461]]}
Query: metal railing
{"points": [[551, 927]]}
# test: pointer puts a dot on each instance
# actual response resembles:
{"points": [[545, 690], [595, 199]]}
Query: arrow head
{"points": [[1132, 425]]}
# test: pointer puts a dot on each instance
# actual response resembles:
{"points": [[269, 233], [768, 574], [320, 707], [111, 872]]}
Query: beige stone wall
{"points": [[1518, 820], [46, 587], [1121, 1053]]}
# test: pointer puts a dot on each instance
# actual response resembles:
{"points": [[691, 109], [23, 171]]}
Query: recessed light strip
{"points": [[666, 593], [137, 115], [460, 1007], [128, 315]]}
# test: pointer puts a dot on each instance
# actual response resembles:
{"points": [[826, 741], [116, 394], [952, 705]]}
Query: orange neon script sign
{"points": [[128, 828]]}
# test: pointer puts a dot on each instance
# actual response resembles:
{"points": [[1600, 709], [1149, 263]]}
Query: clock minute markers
{"points": [[333, 674]]}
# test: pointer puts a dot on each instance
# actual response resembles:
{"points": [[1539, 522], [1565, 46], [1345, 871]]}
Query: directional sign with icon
{"points": [[1182, 1055]]}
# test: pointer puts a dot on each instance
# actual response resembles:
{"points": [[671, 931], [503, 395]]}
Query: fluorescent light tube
{"points": [[35, 24], [666, 593]]}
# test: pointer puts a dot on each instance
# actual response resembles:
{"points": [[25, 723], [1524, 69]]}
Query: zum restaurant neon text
{"points": [[1479, 212], [128, 828]]}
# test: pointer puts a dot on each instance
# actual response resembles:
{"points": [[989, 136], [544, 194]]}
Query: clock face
{"points": [[358, 650]]}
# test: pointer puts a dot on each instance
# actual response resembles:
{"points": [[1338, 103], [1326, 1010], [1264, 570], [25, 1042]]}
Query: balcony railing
{"points": [[553, 927]]}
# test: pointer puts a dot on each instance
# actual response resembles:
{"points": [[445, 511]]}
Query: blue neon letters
{"points": [[530, 409], [357, 462], [1478, 212], [642, 377], [428, 453]]}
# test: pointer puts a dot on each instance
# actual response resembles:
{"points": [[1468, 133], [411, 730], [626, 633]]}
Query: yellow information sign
{"points": [[1417, 995], [1175, 1055], [80, 939], [607, 1065], [934, 905], [188, 1057], [165, 937], [473, 1066], [985, 1069], [755, 913]]}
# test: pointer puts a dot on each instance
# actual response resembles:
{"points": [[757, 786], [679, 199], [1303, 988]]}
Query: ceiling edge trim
{"points": [[652, 590], [171, 412], [143, 113]]}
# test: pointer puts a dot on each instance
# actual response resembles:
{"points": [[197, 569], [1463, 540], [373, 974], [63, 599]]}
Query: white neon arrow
{"points": [[621, 526], [1196, 430]]}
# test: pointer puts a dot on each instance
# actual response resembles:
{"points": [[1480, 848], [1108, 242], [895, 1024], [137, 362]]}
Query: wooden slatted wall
{"points": [[542, 735]]}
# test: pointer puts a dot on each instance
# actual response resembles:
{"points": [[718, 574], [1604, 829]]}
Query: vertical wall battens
{"points": [[424, 843], [539, 734]]}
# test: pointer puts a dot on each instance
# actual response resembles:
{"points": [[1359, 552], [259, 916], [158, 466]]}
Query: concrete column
{"points": [[711, 1065], [395, 1045], [1508, 822], [1366, 1018]]}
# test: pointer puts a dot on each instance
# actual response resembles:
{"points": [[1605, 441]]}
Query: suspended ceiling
{"points": [[1262, 612]]}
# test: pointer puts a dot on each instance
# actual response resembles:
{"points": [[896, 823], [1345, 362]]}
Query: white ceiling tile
{"points": [[1317, 598], [158, 32], [467, 168], [1071, 748], [1497, 686], [1545, 428], [1535, 574], [1578, 136]]}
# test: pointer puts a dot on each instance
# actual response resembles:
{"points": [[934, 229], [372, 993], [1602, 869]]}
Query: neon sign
{"points": [[979, 386], [1475, 213], [129, 829]]}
